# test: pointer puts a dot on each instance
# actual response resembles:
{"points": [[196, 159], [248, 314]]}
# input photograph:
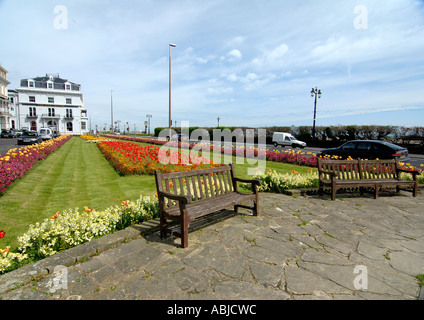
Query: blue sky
{"points": [[251, 63]]}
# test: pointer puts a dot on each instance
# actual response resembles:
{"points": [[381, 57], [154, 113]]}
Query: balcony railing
{"points": [[5, 112], [50, 116]]}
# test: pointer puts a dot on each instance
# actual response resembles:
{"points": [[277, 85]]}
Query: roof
{"points": [[52, 78]]}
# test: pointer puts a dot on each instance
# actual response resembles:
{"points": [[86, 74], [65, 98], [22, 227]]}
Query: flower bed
{"points": [[132, 158], [288, 156], [72, 227], [18, 161], [271, 181], [89, 138]]}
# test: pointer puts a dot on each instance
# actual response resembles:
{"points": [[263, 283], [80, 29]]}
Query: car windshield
{"points": [[30, 134]]}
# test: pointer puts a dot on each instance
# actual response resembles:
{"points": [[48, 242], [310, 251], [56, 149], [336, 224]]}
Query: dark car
{"points": [[8, 134], [368, 149], [29, 137]]}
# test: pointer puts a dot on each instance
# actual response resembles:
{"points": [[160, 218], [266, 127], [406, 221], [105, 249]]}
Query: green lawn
{"points": [[78, 175]]}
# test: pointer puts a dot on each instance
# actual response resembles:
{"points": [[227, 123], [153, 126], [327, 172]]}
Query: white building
{"points": [[5, 113], [49, 101]]}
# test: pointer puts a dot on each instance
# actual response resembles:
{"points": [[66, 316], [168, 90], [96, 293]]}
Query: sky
{"points": [[249, 62]]}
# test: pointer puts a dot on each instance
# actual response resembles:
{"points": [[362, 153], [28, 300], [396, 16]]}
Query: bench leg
{"points": [[184, 229], [256, 206], [163, 225], [333, 193], [377, 189]]}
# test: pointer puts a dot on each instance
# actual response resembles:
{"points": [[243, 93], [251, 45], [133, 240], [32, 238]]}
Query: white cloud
{"points": [[234, 55]]}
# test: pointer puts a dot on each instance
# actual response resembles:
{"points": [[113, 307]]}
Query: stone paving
{"points": [[299, 248]]}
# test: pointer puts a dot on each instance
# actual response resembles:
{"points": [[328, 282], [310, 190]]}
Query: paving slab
{"points": [[299, 248]]}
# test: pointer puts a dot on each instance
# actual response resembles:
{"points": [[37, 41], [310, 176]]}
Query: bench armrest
{"points": [[414, 173], [180, 198], [252, 181], [327, 172]]}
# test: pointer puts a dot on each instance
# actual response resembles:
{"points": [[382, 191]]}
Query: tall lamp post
{"points": [[149, 116], [170, 121], [317, 94], [111, 111]]}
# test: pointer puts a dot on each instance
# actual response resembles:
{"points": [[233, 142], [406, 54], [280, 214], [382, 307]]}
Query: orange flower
{"points": [[55, 216], [125, 203], [87, 209]]}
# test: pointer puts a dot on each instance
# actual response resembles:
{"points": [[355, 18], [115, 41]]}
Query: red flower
{"points": [[2, 234]]}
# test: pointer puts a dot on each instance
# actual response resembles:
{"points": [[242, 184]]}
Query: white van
{"points": [[286, 139], [46, 133]]}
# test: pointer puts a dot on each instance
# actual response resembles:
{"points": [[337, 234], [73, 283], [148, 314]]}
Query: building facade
{"points": [[49, 101], [5, 112]]}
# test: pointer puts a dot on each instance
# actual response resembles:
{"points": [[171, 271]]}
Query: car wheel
{"points": [[294, 146], [275, 144]]}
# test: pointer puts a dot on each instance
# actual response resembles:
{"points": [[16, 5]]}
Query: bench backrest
{"points": [[358, 169], [379, 169], [197, 184]]}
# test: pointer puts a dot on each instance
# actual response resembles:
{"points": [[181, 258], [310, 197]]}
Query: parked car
{"points": [[286, 139], [18, 133], [46, 133], [8, 133], [368, 149], [29, 137]]}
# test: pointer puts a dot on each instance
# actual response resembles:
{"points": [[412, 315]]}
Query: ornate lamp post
{"points": [[170, 121], [317, 94]]}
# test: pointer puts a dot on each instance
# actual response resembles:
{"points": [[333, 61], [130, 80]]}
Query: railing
{"points": [[52, 116]]}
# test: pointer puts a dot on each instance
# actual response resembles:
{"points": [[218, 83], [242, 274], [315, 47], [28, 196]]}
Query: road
{"points": [[6, 144], [416, 159]]}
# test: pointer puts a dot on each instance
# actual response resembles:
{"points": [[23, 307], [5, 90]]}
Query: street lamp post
{"points": [[170, 121], [149, 116], [317, 94], [111, 111]]}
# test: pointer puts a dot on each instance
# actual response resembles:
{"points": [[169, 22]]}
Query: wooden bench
{"points": [[371, 174], [184, 196]]}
